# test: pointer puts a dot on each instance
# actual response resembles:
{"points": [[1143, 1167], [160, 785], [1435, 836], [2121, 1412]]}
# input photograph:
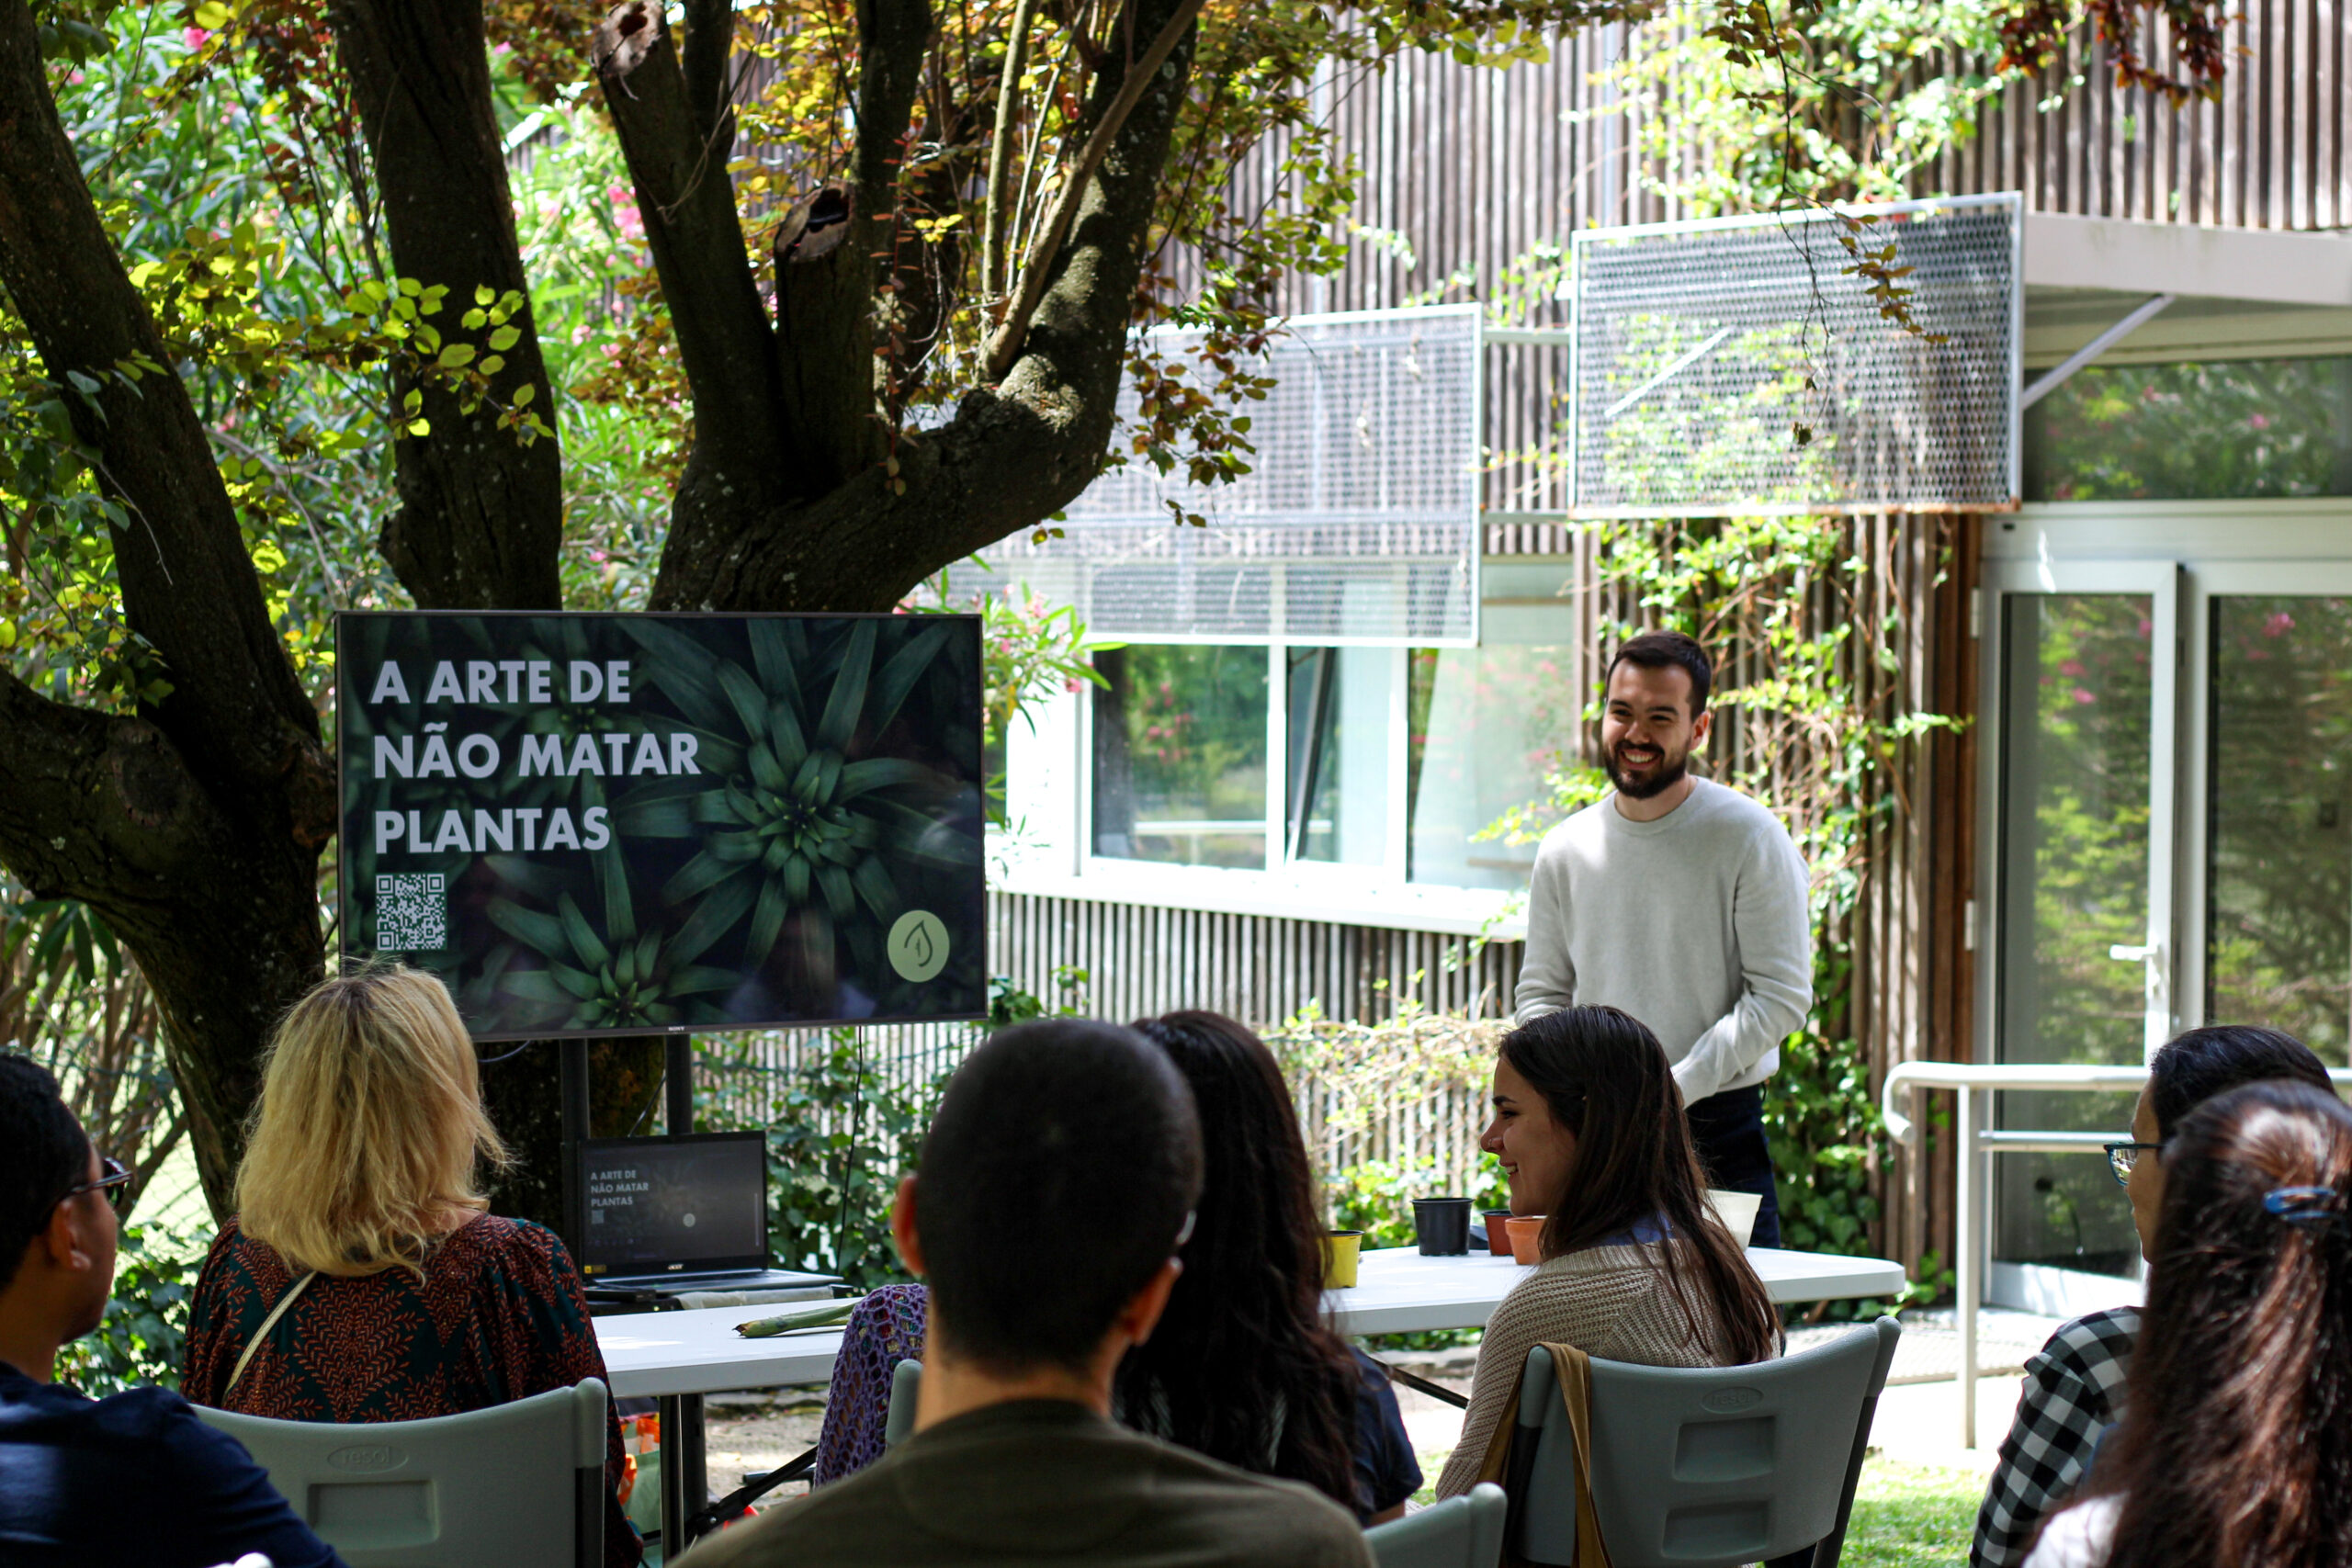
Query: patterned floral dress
{"points": [[499, 1315]]}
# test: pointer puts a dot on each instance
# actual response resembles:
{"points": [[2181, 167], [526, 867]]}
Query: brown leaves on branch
{"points": [[2034, 36]]}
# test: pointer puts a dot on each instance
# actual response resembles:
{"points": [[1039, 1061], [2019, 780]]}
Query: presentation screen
{"points": [[673, 1205], [591, 824]]}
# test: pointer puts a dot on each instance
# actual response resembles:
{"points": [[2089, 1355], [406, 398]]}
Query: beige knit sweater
{"points": [[1611, 1303]]}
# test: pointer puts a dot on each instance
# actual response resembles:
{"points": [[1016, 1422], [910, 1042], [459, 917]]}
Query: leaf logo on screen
{"points": [[917, 945]]}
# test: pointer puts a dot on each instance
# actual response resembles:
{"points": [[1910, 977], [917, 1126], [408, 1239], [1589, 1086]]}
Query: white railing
{"points": [[1973, 1134]]}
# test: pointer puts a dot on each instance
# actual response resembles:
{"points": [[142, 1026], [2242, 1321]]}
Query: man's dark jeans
{"points": [[1729, 1130]]}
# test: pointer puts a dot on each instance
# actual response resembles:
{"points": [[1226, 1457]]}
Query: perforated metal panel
{"points": [[1695, 342], [1358, 522]]}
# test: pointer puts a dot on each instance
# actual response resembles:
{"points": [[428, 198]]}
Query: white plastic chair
{"points": [[1461, 1532], [1702, 1467], [517, 1486]]}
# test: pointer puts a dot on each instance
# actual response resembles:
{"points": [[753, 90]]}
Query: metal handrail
{"points": [[1972, 1210]]}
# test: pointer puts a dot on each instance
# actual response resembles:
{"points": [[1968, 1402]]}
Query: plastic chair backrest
{"points": [[1704, 1466], [517, 1486], [906, 1386], [1461, 1532]]}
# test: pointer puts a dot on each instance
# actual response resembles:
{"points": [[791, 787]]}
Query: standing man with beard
{"points": [[1682, 903]]}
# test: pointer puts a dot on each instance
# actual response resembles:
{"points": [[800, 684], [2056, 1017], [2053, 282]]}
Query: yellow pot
{"points": [[1341, 1250]]}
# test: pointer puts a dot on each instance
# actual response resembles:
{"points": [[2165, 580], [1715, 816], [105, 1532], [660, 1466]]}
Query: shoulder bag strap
{"points": [[263, 1332], [1572, 1369]]}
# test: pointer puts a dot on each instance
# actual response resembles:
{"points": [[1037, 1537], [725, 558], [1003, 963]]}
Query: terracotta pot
{"points": [[1497, 1239], [1526, 1237], [1341, 1250]]}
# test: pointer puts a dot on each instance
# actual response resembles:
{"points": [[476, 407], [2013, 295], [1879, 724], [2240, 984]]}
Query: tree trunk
{"points": [[522, 1095], [481, 522]]}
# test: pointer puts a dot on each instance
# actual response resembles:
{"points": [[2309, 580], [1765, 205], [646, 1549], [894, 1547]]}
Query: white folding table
{"points": [[678, 1357]]}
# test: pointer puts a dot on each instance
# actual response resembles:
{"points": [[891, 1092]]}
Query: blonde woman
{"points": [[362, 1278]]}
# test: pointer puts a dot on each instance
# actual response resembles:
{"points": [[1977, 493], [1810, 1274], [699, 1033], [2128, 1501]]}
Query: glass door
{"points": [[2084, 659], [2273, 655]]}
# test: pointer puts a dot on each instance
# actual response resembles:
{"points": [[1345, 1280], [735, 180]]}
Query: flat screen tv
{"points": [[628, 824]]}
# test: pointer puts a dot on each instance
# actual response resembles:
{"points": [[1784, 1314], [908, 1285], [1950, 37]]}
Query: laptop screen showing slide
{"points": [[655, 1208]]}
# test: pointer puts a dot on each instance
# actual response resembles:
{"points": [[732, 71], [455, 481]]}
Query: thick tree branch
{"points": [[688, 204], [705, 56], [824, 294], [223, 923], [1036, 270], [187, 585], [1009, 456], [481, 522]]}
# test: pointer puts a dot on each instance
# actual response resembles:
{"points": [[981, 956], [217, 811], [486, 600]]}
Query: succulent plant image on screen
{"points": [[628, 823]]}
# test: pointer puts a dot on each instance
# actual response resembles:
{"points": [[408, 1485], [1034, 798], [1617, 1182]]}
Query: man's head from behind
{"points": [[1054, 1186], [57, 1244]]}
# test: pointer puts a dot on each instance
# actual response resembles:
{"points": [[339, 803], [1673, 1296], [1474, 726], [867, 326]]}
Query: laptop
{"points": [[673, 1214]]}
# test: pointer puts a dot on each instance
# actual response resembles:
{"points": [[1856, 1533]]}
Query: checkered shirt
{"points": [[2074, 1391]]}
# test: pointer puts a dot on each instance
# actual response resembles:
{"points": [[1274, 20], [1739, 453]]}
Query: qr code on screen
{"points": [[412, 913]]}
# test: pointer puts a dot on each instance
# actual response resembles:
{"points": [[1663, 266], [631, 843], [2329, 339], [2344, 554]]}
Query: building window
{"points": [[2231, 429], [1180, 755], [1486, 724], [1383, 762], [1335, 795]]}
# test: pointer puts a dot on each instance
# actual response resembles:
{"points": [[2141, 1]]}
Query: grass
{"points": [[1905, 1516], [1911, 1516]]}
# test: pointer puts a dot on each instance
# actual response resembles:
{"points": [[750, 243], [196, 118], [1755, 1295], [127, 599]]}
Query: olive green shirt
{"points": [[1044, 1481]]}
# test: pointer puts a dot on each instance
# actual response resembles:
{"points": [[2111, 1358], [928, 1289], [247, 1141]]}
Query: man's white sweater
{"points": [[1695, 923]]}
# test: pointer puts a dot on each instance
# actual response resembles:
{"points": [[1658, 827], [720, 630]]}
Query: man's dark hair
{"points": [[1054, 1183], [1657, 650], [43, 1151], [2195, 1065]]}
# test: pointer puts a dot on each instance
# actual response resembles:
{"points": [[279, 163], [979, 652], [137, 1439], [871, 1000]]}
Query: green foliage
{"points": [[1349, 1079], [139, 1342], [841, 1137], [1009, 1004], [841, 1129], [1028, 649], [72, 999], [1752, 107]]}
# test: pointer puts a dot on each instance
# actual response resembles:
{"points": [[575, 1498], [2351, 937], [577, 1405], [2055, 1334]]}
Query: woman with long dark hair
{"points": [[2076, 1385], [1590, 1130], [2235, 1448], [1243, 1366]]}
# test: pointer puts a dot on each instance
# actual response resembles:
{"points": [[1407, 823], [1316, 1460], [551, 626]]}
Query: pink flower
{"points": [[194, 38], [2072, 667], [2258, 421], [2278, 624], [630, 221], [2084, 698]]}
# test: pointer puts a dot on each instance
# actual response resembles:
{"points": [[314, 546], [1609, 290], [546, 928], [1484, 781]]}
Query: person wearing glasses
{"points": [[2074, 1384], [134, 1477]]}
